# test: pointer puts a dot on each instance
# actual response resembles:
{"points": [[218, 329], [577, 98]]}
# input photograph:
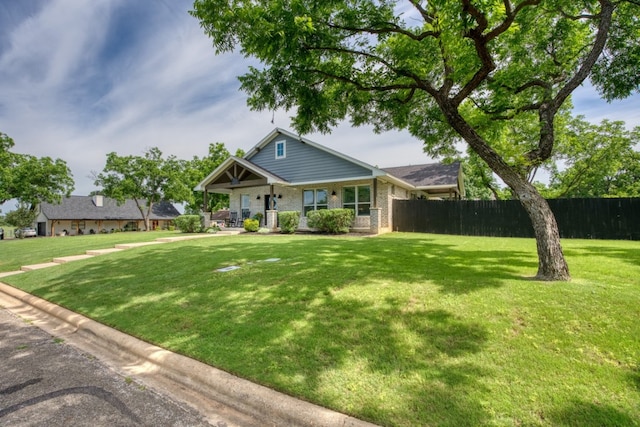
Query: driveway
{"points": [[44, 381]]}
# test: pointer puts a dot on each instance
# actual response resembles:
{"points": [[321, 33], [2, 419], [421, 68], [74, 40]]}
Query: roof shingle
{"points": [[427, 175], [83, 207]]}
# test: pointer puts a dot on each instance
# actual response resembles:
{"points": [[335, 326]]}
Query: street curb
{"points": [[263, 404]]}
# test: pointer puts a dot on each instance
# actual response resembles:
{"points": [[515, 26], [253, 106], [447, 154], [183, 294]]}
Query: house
{"points": [[76, 215], [286, 172]]}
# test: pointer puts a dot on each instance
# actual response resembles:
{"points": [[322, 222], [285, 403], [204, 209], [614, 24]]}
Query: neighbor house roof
{"points": [[87, 207], [428, 175], [433, 178]]}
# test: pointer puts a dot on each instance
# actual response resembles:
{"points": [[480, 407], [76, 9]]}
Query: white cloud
{"points": [[69, 90]]}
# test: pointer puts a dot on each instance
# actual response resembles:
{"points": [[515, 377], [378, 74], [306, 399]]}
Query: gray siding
{"points": [[304, 163]]}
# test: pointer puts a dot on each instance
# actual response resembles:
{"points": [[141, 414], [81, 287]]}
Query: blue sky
{"points": [[79, 79]]}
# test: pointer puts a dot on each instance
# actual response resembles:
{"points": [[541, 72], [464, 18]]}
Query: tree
{"points": [[198, 168], [23, 216], [441, 69], [147, 180], [600, 161], [30, 179]]}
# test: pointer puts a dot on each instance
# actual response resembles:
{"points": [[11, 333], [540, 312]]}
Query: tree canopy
{"points": [[589, 160], [598, 161], [198, 168], [146, 179], [445, 70], [30, 179]]}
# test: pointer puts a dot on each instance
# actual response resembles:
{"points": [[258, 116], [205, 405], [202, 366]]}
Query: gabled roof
{"points": [[225, 167], [278, 131], [243, 172], [428, 175], [84, 208]]}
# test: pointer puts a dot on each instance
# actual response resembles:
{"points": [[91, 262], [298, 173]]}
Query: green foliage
{"points": [[197, 169], [189, 223], [251, 225], [494, 74], [616, 72], [213, 229], [147, 180], [332, 221], [23, 216], [258, 216], [599, 161], [30, 179], [403, 329], [289, 221]]}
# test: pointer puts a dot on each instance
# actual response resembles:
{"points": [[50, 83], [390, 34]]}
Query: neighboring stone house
{"points": [[285, 172], [76, 215]]}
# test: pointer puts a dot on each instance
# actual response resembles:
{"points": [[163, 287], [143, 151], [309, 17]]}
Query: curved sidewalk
{"points": [[210, 391]]}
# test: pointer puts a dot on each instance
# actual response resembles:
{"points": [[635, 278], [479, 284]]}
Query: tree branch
{"points": [[428, 18], [392, 29], [605, 15], [481, 41], [549, 109], [419, 83]]}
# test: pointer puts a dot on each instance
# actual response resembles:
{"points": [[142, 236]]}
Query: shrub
{"points": [[213, 229], [188, 223], [251, 225], [258, 216], [289, 221], [330, 220]]}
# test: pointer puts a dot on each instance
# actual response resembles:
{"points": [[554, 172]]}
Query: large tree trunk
{"points": [[551, 261]]}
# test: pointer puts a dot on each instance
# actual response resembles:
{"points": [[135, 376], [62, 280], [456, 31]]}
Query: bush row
{"points": [[332, 221]]}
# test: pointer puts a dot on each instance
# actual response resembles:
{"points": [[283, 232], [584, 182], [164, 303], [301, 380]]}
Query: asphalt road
{"points": [[46, 382]]}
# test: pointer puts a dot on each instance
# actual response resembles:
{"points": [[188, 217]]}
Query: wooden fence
{"points": [[577, 218]]}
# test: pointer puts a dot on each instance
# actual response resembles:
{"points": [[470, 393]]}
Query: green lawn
{"points": [[400, 329], [15, 253]]}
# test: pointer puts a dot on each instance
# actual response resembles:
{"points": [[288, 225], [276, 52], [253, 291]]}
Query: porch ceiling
{"points": [[238, 173]]}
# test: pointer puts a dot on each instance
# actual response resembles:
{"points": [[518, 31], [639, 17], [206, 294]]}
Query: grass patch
{"points": [[19, 252], [401, 329]]}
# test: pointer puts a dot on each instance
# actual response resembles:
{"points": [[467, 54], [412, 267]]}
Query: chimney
{"points": [[97, 200]]}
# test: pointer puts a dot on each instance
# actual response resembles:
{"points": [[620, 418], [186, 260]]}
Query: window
{"points": [[357, 198], [281, 149], [314, 200], [244, 201]]}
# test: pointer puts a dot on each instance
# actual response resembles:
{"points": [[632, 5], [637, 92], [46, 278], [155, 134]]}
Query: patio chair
{"points": [[233, 219], [246, 214]]}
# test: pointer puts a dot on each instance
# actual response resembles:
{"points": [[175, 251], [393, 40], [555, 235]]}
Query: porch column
{"points": [[272, 220], [375, 220], [272, 214]]}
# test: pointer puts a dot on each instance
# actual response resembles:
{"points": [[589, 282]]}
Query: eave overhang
{"points": [[236, 172]]}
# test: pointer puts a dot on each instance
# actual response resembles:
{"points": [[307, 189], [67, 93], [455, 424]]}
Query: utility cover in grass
{"points": [[230, 268], [272, 260]]}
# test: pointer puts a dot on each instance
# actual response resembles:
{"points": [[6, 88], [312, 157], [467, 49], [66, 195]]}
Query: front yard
{"points": [[400, 329]]}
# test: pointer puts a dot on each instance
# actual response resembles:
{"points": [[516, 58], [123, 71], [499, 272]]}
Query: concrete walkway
{"points": [[223, 399], [119, 247]]}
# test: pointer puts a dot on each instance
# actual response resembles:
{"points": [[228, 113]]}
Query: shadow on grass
{"points": [[316, 324], [587, 414], [628, 255]]}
